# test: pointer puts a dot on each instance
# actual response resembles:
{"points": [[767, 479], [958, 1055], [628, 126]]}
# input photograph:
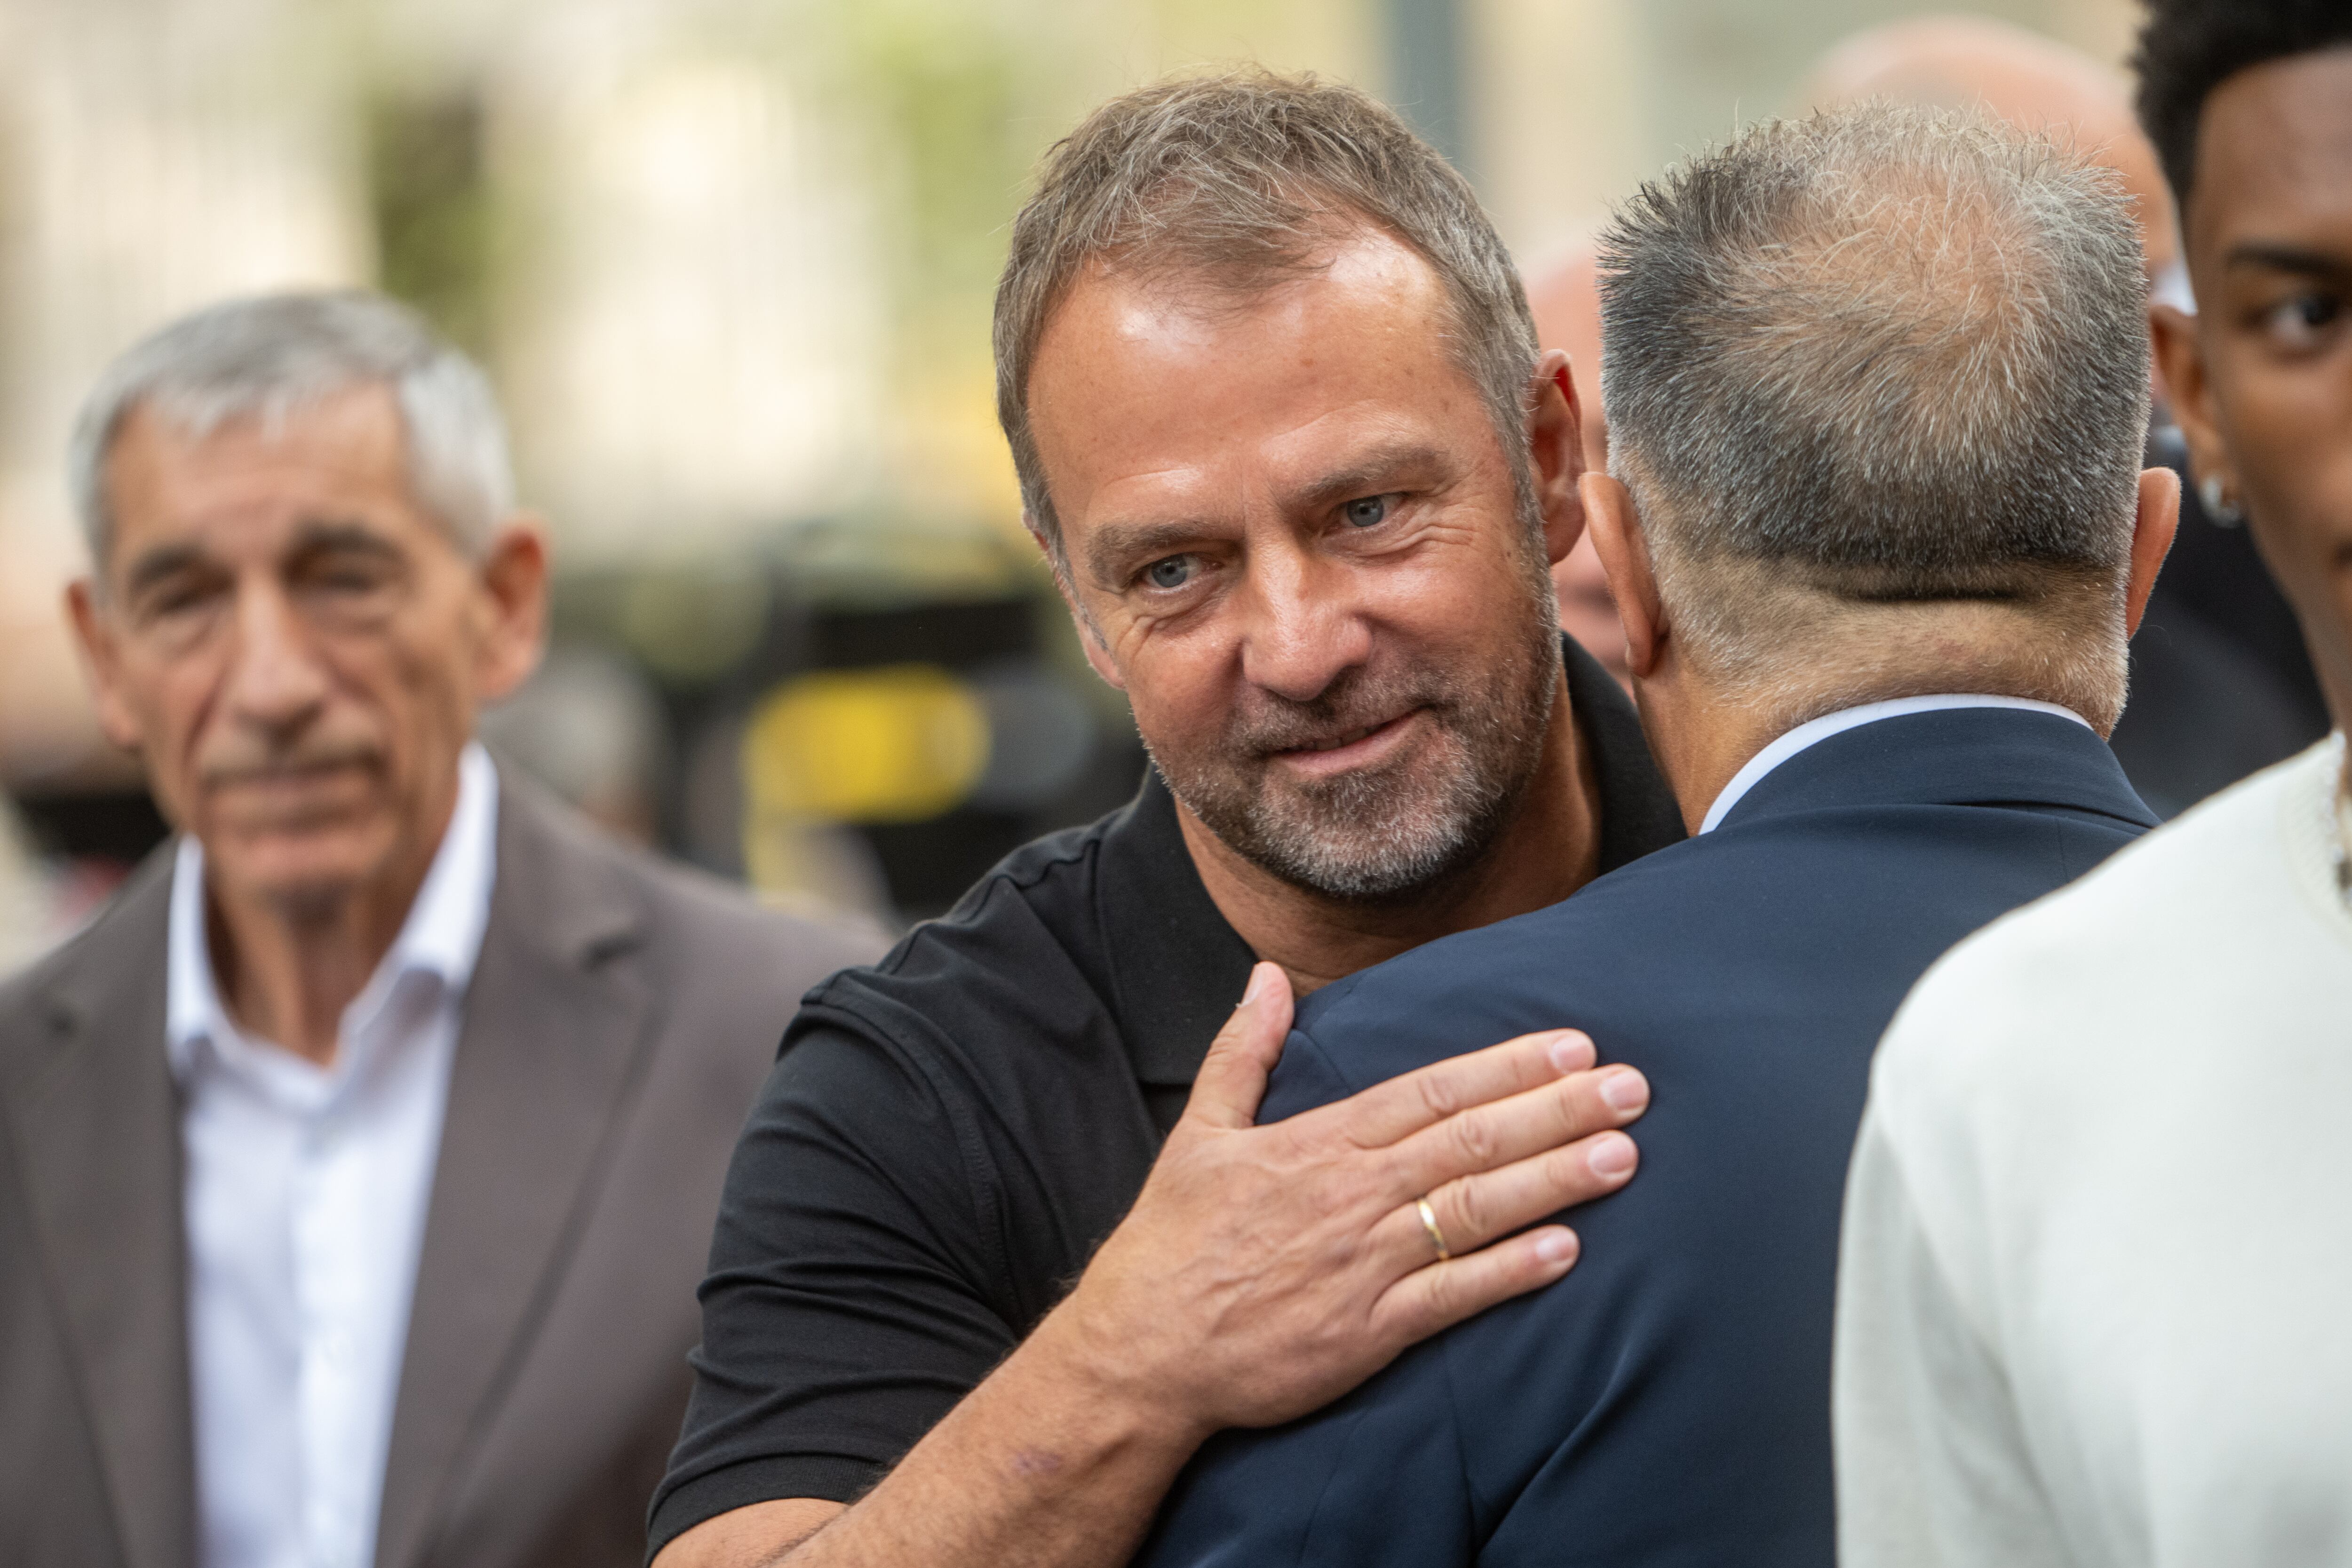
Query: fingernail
{"points": [[1611, 1156], [1558, 1248], [1570, 1050], [1261, 986], [1625, 1090]]}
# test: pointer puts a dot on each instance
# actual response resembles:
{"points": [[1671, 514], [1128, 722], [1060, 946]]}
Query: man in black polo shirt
{"points": [[1283, 430]]}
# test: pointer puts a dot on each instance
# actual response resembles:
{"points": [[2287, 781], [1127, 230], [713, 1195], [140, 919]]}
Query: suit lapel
{"points": [[555, 1030], [96, 1122]]}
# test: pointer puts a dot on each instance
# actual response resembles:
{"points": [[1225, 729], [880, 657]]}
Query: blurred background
{"points": [[729, 262]]}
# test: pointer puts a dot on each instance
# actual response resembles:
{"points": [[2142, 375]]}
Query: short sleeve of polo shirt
{"points": [[942, 1144], [846, 1309]]}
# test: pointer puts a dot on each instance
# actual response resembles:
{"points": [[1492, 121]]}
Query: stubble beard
{"points": [[1385, 832]]}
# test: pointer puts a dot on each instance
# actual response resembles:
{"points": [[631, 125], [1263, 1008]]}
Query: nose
{"points": [[1302, 632], [274, 680]]}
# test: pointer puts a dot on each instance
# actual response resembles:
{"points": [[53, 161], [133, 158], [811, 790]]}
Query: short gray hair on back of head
{"points": [[1882, 353], [1245, 180], [272, 355]]}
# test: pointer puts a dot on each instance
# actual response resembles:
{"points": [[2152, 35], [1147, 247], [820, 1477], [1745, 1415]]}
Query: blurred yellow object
{"points": [[898, 743]]}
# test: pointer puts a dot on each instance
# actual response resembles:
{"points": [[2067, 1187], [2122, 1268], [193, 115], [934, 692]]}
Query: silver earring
{"points": [[2217, 505]]}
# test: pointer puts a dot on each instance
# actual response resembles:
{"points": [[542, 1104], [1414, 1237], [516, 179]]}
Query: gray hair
{"points": [[1877, 355], [270, 356], [1246, 179]]}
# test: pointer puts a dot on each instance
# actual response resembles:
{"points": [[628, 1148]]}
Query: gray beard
{"points": [[1380, 833]]}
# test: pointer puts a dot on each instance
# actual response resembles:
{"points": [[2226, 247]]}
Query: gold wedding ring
{"points": [[1428, 1224]]}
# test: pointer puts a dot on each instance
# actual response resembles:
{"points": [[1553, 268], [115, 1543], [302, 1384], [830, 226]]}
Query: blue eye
{"points": [[1173, 573], [1369, 512]]}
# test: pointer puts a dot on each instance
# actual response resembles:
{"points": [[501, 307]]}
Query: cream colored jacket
{"points": [[2095, 1301]]}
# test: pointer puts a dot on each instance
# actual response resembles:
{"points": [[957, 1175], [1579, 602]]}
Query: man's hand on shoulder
{"points": [[1265, 1271], [1262, 1273]]}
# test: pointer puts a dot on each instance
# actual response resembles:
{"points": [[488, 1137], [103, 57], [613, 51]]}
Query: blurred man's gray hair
{"points": [[273, 355], [1243, 181], [1878, 355]]}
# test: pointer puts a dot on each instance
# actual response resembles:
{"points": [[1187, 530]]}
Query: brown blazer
{"points": [[620, 1020]]}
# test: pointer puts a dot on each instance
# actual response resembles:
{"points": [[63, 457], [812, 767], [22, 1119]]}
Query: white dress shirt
{"points": [[305, 1193], [1815, 732]]}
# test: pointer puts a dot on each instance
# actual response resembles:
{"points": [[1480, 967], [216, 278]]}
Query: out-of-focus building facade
{"points": [[730, 262]]}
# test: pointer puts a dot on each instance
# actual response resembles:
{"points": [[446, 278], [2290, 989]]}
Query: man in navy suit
{"points": [[1878, 534]]}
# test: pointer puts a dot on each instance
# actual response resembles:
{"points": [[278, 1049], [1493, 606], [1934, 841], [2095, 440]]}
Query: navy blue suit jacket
{"points": [[1667, 1402]]}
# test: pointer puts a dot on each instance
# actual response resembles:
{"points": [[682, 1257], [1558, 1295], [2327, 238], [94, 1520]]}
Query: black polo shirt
{"points": [[947, 1136]]}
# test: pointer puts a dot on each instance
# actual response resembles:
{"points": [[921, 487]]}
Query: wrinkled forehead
{"points": [[1345, 264], [245, 482], [1139, 376], [1156, 407]]}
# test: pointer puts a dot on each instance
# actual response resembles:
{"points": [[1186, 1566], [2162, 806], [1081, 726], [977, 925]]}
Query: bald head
{"points": [[2036, 84], [1876, 358]]}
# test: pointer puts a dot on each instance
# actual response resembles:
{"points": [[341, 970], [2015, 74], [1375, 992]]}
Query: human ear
{"points": [[512, 574], [1624, 551], [1556, 453], [2153, 522], [2180, 360], [101, 659]]}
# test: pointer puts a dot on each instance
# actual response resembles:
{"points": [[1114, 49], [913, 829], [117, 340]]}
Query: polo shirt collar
{"points": [[441, 939], [1638, 812], [1178, 965]]}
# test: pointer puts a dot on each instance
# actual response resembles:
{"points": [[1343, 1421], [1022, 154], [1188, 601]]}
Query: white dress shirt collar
{"points": [[441, 938], [304, 1193], [1816, 730]]}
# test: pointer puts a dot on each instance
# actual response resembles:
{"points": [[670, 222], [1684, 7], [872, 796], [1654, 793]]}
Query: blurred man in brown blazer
{"points": [[358, 1163]]}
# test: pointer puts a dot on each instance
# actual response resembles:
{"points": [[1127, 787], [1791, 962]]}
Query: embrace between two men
{"points": [[1031, 1250]]}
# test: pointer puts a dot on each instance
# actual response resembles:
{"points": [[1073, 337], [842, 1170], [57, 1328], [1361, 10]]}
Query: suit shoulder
{"points": [[711, 924], [993, 947], [1613, 913], [714, 937], [724, 910], [135, 918], [23, 996]]}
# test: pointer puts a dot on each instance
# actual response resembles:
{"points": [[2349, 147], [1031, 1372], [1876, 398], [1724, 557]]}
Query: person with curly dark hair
{"points": [[2092, 1284]]}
